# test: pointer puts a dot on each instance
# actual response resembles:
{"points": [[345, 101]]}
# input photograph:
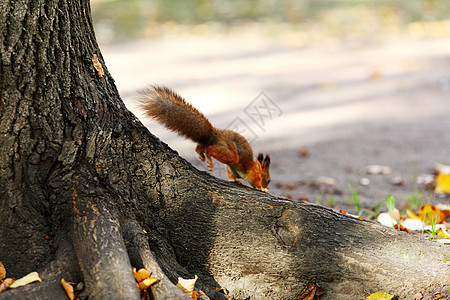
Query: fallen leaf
{"points": [[444, 207], [442, 183], [143, 279], [326, 180], [68, 287], [397, 180], [308, 293], [2, 271], [98, 66], [386, 219], [27, 279], [442, 169], [428, 211], [425, 179], [194, 295], [141, 274], [378, 169], [413, 224], [303, 152], [364, 181], [412, 215], [222, 290], [400, 227], [380, 296], [146, 283], [443, 234], [187, 285], [6, 284]]}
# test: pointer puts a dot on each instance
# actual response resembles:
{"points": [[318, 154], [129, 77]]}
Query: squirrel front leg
{"points": [[231, 175]]}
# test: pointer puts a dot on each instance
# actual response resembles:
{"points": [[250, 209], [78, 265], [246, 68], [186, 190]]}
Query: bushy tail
{"points": [[171, 110]]}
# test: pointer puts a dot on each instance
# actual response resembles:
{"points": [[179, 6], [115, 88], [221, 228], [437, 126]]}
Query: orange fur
{"points": [[226, 146]]}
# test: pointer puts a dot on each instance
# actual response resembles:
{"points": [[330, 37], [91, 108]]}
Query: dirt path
{"points": [[385, 103]]}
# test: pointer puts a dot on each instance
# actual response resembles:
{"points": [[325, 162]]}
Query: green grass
{"points": [[390, 203], [331, 201], [356, 201], [415, 200], [433, 231]]}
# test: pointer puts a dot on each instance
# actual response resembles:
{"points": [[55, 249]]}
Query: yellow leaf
{"points": [[27, 279], [2, 271], [146, 283], [442, 183], [141, 274], [68, 287], [380, 296], [443, 234], [412, 215]]}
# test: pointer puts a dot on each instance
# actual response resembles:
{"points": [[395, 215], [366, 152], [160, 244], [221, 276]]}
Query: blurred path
{"points": [[386, 103]]}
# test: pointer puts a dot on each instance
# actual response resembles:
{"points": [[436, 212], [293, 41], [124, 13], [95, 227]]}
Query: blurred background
{"points": [[327, 88]]}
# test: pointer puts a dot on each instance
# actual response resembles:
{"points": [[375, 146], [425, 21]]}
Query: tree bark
{"points": [[86, 192]]}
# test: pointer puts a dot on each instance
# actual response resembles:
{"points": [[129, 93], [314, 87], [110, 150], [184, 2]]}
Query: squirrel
{"points": [[226, 146]]}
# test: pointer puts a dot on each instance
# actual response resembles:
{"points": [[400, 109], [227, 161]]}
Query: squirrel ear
{"points": [[266, 161], [260, 158]]}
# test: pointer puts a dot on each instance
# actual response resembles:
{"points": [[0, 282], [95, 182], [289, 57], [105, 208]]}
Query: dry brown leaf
{"points": [[68, 287], [98, 66], [187, 286], [5, 284], [27, 279], [310, 291], [2, 271]]}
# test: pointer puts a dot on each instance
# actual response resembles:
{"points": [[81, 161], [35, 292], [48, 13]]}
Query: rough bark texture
{"points": [[86, 193]]}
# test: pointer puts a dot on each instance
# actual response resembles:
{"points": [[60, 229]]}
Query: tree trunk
{"points": [[86, 192]]}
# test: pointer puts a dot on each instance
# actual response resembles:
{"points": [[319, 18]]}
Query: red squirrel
{"points": [[227, 146]]}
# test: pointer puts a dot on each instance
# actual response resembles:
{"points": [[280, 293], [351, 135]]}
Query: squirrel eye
{"points": [[268, 181]]}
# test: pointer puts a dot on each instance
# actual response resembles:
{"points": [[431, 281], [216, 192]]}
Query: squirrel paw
{"points": [[210, 166]]}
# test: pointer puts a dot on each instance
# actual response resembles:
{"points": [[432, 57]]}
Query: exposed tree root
{"points": [[98, 243]]}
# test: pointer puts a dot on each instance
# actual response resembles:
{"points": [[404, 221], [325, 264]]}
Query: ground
{"points": [[336, 107]]}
